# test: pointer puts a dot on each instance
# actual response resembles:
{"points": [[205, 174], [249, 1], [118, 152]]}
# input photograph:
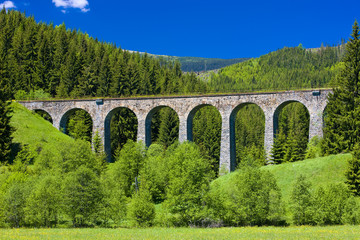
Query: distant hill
{"points": [[199, 64]]}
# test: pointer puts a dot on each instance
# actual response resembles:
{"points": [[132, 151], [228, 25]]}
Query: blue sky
{"points": [[222, 29]]}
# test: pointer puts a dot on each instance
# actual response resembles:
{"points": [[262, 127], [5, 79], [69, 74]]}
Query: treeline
{"points": [[284, 69], [64, 63]]}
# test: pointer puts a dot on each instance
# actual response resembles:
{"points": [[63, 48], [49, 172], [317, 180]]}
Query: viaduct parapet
{"points": [[271, 103]]}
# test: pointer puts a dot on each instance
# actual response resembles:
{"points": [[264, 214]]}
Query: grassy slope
{"points": [[33, 130], [319, 171]]}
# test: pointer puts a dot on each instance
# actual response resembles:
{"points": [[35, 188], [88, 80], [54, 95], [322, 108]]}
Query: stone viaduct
{"points": [[101, 111]]}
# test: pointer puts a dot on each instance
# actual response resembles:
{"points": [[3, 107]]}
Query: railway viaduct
{"points": [[271, 103]]}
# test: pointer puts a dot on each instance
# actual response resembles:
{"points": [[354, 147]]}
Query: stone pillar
{"points": [[56, 121], [269, 133], [316, 124], [225, 156], [183, 129], [141, 133]]}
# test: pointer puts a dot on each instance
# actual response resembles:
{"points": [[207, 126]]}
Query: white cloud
{"points": [[81, 4], [7, 5]]}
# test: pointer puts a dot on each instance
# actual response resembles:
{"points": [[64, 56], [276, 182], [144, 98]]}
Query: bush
{"points": [[189, 178], [329, 203], [314, 148], [141, 211], [302, 202], [351, 214], [43, 205], [82, 195], [252, 198]]}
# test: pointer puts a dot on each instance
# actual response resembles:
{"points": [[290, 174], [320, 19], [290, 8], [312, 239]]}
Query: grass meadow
{"points": [[302, 232]]}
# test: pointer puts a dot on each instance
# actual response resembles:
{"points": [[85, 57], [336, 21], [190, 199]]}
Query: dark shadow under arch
{"points": [[204, 128], [64, 127], [44, 114], [157, 121], [233, 117], [125, 117]]}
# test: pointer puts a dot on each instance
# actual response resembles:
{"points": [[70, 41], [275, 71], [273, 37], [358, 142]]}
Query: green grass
{"points": [[32, 129], [319, 171], [303, 232]]}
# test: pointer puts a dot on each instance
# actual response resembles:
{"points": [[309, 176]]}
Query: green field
{"points": [[303, 232]]}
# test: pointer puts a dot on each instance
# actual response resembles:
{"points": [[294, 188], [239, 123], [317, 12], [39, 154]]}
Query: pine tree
{"points": [[342, 123], [353, 172], [5, 128]]}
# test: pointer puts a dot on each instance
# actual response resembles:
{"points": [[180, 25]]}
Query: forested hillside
{"points": [[287, 68], [68, 63]]}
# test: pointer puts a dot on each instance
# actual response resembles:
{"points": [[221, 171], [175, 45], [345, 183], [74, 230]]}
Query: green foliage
{"points": [[169, 127], [79, 125], [123, 127], [39, 60], [329, 204], [67, 158], [6, 129], [114, 204], [43, 205], [249, 132], [252, 198], [302, 202], [292, 134], [128, 165], [189, 178], [314, 148], [82, 195], [287, 68], [155, 173], [351, 214], [207, 134], [141, 211], [342, 122], [353, 172], [38, 94]]}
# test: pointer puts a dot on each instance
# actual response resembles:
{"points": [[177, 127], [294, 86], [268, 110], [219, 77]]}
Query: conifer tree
{"points": [[342, 123], [5, 128], [353, 172]]}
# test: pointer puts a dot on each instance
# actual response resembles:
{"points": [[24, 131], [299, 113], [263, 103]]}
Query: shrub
{"points": [[189, 178], [252, 198], [301, 202], [141, 210]]}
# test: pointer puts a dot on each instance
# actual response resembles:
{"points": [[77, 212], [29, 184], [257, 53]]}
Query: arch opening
{"points": [[161, 126], [291, 132], [204, 128], [44, 114], [247, 133], [78, 124], [121, 125]]}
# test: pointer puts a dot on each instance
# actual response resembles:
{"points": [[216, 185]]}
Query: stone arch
{"points": [[232, 131], [65, 118], [149, 118], [279, 108], [44, 114], [107, 129]]}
